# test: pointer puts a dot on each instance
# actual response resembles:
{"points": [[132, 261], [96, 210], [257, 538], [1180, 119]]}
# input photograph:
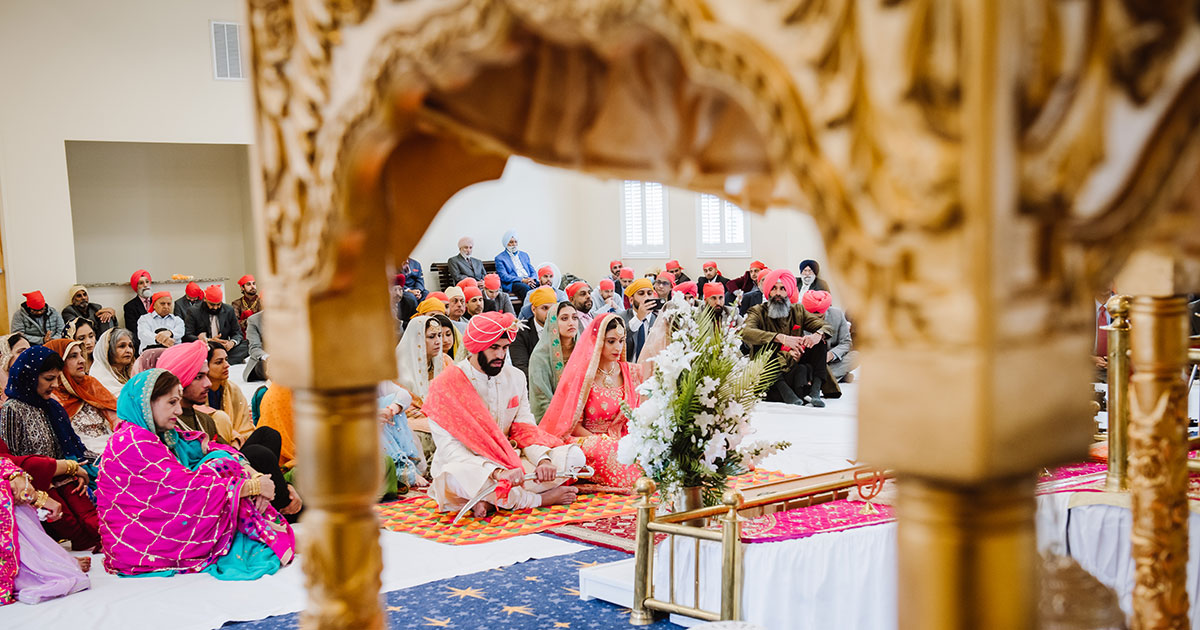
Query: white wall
{"points": [[170, 208], [128, 71]]}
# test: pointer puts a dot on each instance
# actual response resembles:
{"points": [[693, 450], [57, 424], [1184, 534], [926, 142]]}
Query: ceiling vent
{"points": [[227, 50]]}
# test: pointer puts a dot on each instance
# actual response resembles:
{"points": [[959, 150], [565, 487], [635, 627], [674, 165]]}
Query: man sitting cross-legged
{"points": [[478, 410]]}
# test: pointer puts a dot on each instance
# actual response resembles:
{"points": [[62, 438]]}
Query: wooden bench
{"points": [[442, 270]]}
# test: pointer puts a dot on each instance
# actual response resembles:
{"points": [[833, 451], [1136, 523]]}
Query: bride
{"points": [[586, 407]]}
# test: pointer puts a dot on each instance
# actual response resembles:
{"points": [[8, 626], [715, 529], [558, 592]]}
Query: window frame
{"points": [[723, 249], [629, 250]]}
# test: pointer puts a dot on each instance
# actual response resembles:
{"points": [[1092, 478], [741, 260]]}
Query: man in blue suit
{"points": [[514, 267]]}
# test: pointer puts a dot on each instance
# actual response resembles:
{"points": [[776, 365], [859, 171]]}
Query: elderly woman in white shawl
{"points": [[112, 359], [419, 358]]}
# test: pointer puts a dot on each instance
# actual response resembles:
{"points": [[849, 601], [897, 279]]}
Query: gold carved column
{"points": [[1158, 478]]}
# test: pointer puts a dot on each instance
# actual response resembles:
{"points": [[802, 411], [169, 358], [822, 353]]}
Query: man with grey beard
{"points": [[781, 325]]}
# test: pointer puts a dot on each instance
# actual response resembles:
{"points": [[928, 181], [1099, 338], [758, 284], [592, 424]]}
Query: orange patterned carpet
{"points": [[419, 515]]}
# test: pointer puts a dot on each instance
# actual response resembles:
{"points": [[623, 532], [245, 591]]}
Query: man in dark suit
{"points": [[639, 317], [464, 265], [711, 274], [216, 321], [140, 304], [193, 295], [542, 300]]}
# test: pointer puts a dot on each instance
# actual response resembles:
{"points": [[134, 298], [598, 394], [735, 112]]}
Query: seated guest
{"points": [[651, 274], [160, 327], [414, 279], [193, 295], [233, 410], [80, 329], [626, 280], [514, 268], [189, 363], [400, 448], [419, 359], [256, 358], [464, 265], [841, 358], [614, 269], [216, 321], [112, 363], [473, 418], [474, 301], [714, 300], [139, 304], [809, 280], [753, 296], [33, 567], [456, 310], [11, 347], [747, 281], [607, 300], [466, 283], [36, 431], [173, 501], [688, 289], [90, 406], [675, 269], [640, 316], [101, 318], [430, 306], [711, 274], [550, 356], [547, 277], [147, 360], [587, 405], [250, 302], [494, 299], [580, 295], [541, 300], [664, 284], [35, 319], [773, 327], [451, 339]]}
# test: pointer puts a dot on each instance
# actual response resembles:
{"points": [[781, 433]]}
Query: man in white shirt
{"points": [[606, 300], [159, 327], [640, 317], [478, 410]]}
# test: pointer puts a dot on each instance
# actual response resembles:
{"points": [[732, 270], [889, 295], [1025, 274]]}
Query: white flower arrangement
{"points": [[694, 418]]}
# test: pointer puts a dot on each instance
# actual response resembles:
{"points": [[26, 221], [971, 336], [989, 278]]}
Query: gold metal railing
{"points": [[728, 513], [1118, 393]]}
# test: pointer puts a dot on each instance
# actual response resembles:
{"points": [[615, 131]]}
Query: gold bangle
{"points": [[39, 499], [72, 467]]}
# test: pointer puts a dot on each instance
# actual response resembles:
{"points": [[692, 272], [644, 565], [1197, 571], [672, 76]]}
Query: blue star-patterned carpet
{"points": [[535, 595]]}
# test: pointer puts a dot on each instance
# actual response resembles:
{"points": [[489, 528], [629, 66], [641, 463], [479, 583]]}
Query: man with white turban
{"points": [[514, 267], [481, 422]]}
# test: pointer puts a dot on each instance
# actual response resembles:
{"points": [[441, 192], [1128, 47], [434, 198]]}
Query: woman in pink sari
{"points": [[586, 407]]}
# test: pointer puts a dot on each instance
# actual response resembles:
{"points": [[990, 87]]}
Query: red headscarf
{"points": [[672, 264], [666, 276], [688, 288], [214, 294], [72, 391], [758, 265], [487, 328], [545, 271], [35, 300], [712, 264], [575, 384], [607, 285], [817, 301], [768, 282], [158, 296], [467, 282], [193, 291], [627, 273], [471, 292], [574, 288], [137, 275], [491, 282], [713, 288], [441, 297], [244, 279]]}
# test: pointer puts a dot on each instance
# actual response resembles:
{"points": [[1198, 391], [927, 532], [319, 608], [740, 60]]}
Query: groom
{"points": [[484, 431]]}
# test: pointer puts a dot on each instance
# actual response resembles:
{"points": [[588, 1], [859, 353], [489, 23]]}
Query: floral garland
{"points": [[694, 417]]}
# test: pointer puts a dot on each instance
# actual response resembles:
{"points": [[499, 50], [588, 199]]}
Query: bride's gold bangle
{"points": [[39, 499], [72, 467]]}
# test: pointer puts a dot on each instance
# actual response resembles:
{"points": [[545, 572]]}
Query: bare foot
{"points": [[85, 563], [562, 495], [481, 509]]}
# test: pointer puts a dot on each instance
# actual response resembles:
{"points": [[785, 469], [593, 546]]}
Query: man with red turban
{"points": [[711, 274], [580, 295], [781, 325], [160, 328], [495, 300], [626, 279], [714, 300], [214, 320], [36, 320], [747, 281], [675, 269], [483, 428], [249, 303], [614, 271], [664, 284], [842, 359], [539, 301], [606, 300], [193, 295], [139, 304]]}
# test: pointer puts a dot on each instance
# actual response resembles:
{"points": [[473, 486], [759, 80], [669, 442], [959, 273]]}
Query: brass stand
{"points": [[1118, 393], [644, 553], [1158, 462], [966, 555], [337, 439]]}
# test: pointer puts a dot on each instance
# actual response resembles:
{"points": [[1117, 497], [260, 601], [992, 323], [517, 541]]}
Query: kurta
{"points": [[460, 474], [760, 331]]}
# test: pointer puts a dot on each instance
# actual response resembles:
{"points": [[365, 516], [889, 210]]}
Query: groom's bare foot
{"points": [[562, 495], [481, 509]]}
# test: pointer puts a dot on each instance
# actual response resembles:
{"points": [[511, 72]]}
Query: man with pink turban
{"points": [[485, 432], [841, 358], [781, 325]]}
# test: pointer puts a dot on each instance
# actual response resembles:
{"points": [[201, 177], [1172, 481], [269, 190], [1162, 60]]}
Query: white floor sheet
{"points": [[201, 602]]}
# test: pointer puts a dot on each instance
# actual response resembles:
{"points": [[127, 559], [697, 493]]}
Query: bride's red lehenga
{"points": [[585, 398]]}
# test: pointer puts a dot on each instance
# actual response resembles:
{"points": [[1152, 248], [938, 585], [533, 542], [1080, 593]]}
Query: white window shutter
{"points": [[644, 224], [227, 50], [721, 228]]}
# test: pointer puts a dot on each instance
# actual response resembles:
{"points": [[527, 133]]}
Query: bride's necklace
{"points": [[610, 375]]}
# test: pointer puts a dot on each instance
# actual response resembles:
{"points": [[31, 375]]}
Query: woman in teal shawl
{"points": [[173, 501], [550, 356]]}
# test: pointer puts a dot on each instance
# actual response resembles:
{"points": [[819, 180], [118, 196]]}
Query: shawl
{"points": [[237, 412], [72, 391], [566, 408], [546, 364], [10, 558], [22, 386], [455, 406], [169, 500], [412, 364], [277, 414], [102, 370]]}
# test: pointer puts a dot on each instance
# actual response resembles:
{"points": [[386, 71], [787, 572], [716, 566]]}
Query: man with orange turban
{"points": [[540, 301], [160, 328], [495, 300], [483, 428], [36, 320], [781, 325], [214, 320], [249, 303], [842, 359], [640, 316]]}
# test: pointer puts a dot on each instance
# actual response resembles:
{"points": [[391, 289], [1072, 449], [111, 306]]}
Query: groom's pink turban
{"points": [[487, 328], [184, 360]]}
